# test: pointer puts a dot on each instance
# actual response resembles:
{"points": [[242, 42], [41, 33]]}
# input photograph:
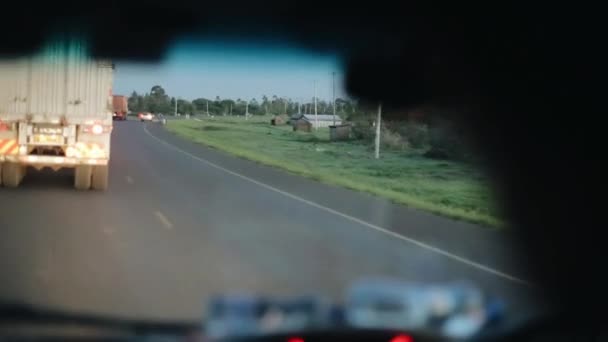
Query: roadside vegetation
{"points": [[424, 162], [416, 168]]}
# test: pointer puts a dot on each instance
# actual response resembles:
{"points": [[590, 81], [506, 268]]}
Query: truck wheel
{"points": [[12, 174], [82, 177], [100, 177]]}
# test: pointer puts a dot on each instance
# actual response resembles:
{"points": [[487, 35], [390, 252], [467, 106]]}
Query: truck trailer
{"points": [[56, 112], [120, 107]]}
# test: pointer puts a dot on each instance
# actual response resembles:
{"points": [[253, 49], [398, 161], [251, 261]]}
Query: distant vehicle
{"points": [[49, 118], [146, 117], [119, 107]]}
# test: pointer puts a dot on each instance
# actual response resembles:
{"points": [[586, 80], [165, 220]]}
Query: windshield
{"points": [[232, 169]]}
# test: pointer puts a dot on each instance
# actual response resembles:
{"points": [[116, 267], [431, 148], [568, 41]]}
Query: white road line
{"points": [[129, 179], [164, 220], [420, 244]]}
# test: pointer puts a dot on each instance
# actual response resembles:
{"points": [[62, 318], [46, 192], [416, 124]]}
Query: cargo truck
{"points": [[120, 107], [56, 112]]}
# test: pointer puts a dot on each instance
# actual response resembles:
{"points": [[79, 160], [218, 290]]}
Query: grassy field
{"points": [[448, 188]]}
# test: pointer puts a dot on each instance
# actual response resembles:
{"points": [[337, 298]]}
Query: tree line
{"points": [[158, 101]]}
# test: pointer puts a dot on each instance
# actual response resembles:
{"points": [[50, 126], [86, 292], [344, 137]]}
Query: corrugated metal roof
{"points": [[320, 117]]}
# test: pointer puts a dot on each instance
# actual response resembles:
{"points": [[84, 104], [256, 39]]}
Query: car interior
{"points": [[517, 79]]}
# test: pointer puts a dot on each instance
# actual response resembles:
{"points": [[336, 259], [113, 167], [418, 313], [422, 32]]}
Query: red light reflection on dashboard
{"points": [[400, 338]]}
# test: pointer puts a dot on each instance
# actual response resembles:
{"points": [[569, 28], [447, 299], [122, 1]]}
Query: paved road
{"points": [[181, 222]]}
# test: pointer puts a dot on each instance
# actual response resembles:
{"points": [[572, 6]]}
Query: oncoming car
{"points": [[146, 117]]}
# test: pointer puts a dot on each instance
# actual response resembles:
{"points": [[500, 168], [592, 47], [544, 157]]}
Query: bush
{"points": [[413, 134], [389, 137], [362, 130], [446, 142], [416, 134], [392, 140]]}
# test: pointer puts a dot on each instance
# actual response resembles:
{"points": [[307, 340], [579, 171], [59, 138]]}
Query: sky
{"points": [[234, 70]]}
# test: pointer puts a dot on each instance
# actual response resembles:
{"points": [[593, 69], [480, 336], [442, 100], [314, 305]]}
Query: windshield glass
{"points": [[235, 168]]}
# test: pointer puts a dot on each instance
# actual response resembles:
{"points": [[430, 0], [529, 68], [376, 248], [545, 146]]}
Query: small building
{"points": [[316, 121], [278, 120], [340, 132], [302, 125]]}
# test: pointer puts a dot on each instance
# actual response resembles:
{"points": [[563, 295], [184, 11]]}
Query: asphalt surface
{"points": [[181, 222]]}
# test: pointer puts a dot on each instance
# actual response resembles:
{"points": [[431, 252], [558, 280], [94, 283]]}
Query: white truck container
{"points": [[56, 111]]}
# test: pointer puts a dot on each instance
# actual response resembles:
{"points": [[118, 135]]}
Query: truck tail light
{"points": [[70, 152], [96, 129], [4, 126]]}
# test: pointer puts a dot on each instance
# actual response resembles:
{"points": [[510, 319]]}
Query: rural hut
{"points": [[308, 121]]}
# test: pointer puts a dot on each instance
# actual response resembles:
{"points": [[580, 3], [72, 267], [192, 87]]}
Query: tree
{"points": [[200, 105], [157, 91], [227, 105], [254, 107], [173, 104], [134, 102], [239, 107], [275, 105], [343, 106], [184, 107], [158, 101], [265, 104], [141, 104], [292, 107]]}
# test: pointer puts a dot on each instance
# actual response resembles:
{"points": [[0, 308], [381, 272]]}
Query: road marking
{"points": [[129, 179], [388, 232], [164, 220]]}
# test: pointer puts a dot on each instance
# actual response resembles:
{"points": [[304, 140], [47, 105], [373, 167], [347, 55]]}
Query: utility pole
{"points": [[315, 99], [230, 109], [175, 114], [247, 110], [378, 122], [333, 86], [207, 107]]}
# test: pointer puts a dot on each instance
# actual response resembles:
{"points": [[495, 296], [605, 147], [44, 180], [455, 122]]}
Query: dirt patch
{"points": [[212, 128]]}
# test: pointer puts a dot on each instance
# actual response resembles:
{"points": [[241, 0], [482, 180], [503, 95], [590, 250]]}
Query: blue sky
{"points": [[234, 70]]}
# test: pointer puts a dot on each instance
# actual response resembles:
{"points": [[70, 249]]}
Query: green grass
{"points": [[452, 189]]}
